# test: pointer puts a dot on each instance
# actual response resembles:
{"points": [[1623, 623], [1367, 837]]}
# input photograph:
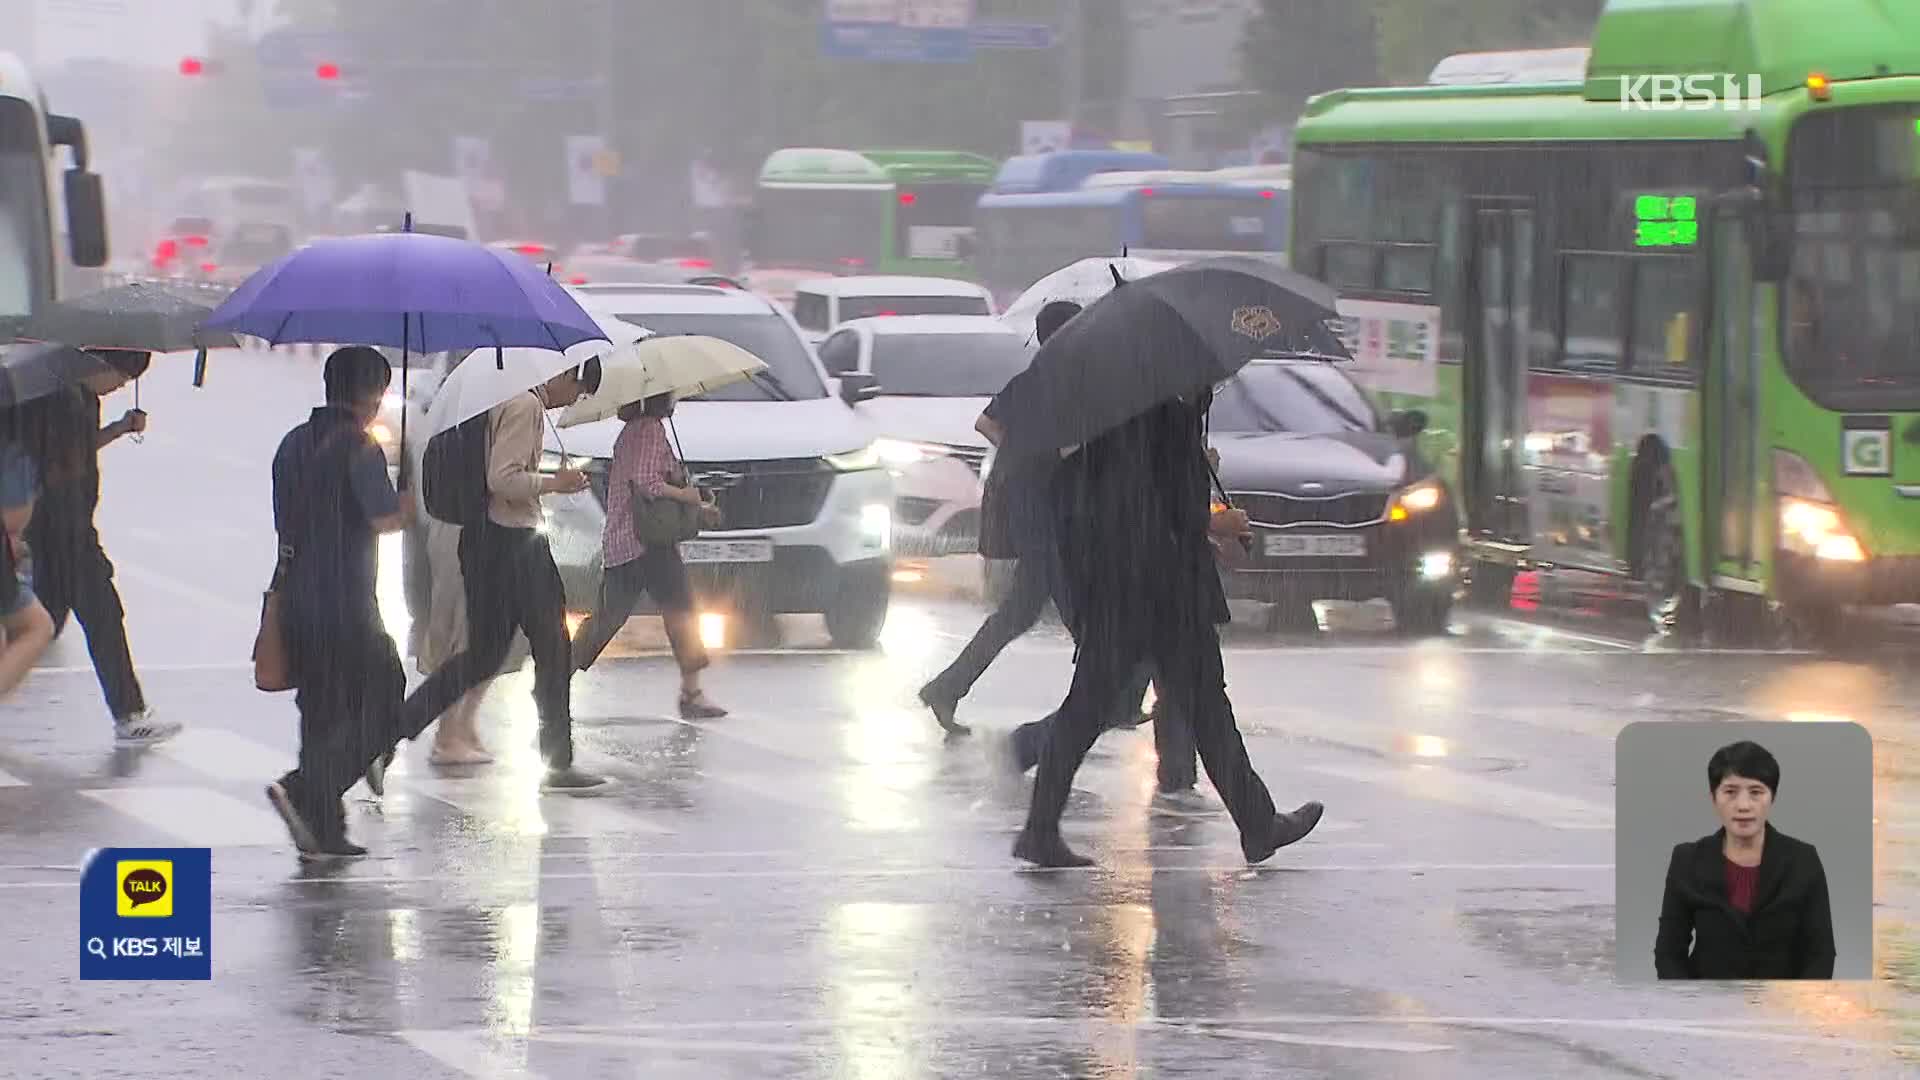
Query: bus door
{"points": [[1733, 406], [1494, 381]]}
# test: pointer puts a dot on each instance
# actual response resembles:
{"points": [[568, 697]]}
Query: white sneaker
{"points": [[141, 729]]}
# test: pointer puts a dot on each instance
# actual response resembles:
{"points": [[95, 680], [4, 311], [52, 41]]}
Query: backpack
{"points": [[453, 472]]}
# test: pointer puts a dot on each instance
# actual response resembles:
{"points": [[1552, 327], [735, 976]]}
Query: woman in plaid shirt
{"points": [[644, 467]]}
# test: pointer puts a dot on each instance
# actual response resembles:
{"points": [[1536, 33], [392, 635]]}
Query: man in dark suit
{"points": [[1139, 574], [1748, 901]]}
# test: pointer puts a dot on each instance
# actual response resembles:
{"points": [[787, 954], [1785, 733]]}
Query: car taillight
{"points": [[194, 241], [577, 279], [208, 268], [529, 249], [696, 264]]}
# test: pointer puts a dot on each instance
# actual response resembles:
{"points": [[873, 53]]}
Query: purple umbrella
{"points": [[413, 291]]}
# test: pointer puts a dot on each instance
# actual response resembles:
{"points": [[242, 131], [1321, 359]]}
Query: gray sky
{"points": [[151, 32]]}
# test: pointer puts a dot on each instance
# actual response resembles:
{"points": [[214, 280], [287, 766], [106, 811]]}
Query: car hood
{"points": [[742, 431], [1284, 463], [945, 420]]}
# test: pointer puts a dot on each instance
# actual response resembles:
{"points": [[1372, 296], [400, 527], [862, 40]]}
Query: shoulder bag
{"points": [[272, 667], [663, 521]]}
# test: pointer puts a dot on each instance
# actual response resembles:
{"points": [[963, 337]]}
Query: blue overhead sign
{"points": [[998, 35], [892, 42]]}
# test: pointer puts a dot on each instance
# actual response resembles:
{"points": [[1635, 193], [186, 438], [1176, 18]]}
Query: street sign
{"points": [[1045, 136], [586, 184], [999, 35], [898, 31]]}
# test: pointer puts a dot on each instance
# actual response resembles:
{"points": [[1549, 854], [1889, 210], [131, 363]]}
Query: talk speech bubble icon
{"points": [[144, 886]]}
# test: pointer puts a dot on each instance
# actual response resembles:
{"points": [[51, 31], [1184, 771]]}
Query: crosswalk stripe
{"points": [[226, 755], [516, 804], [1477, 792], [199, 816]]}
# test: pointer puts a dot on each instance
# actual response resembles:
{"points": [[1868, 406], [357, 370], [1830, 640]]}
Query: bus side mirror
{"points": [[86, 218], [1407, 423]]}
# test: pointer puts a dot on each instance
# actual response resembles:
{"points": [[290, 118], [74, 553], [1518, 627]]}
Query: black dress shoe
{"points": [[1287, 828], [1050, 852], [339, 848], [943, 709]]}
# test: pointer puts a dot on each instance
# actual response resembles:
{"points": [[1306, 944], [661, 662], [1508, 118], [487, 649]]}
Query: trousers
{"points": [[512, 584], [1192, 680], [349, 693], [658, 573], [72, 575]]}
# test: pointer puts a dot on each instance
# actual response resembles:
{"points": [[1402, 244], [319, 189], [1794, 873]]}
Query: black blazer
{"points": [[1788, 935]]}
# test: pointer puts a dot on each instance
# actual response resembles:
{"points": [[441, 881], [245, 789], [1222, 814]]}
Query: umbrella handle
{"points": [[138, 437]]}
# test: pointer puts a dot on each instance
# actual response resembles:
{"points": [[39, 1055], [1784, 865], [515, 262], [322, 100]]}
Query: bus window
{"points": [[26, 263], [1174, 223], [1594, 302], [1348, 265], [1665, 298]]}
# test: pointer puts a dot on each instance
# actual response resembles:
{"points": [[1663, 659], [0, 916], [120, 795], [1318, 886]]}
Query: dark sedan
{"points": [[1343, 506]]}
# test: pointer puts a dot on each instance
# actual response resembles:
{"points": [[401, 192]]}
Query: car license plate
{"points": [[1283, 545], [727, 551]]}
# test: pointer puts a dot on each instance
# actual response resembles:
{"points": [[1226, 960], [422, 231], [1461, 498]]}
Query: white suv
{"points": [[821, 306], [806, 501]]}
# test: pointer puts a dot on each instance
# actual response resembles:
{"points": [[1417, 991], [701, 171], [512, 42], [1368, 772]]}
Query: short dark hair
{"points": [[589, 376], [657, 405], [1053, 317], [1748, 759], [355, 372], [132, 363]]}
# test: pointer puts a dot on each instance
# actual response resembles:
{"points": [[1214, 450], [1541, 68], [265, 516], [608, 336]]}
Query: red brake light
{"points": [[528, 249], [1266, 194], [696, 264], [165, 251], [1147, 191], [208, 268], [327, 71], [577, 279], [887, 314], [192, 65], [194, 241], [908, 198]]}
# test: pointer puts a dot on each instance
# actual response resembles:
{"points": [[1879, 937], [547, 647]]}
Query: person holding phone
{"points": [[71, 571]]}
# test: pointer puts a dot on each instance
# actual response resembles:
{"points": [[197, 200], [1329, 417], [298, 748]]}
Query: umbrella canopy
{"points": [[1083, 283], [36, 370], [141, 315], [1172, 334], [414, 291], [486, 378], [677, 364]]}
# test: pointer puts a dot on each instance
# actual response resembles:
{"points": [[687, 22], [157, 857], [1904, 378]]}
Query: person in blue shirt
{"points": [[331, 501]]}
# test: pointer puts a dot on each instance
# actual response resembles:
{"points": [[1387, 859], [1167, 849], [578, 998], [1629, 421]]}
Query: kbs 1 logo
{"points": [[1690, 93]]}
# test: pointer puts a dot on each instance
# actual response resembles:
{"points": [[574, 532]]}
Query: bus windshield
{"points": [[822, 226], [26, 264], [1851, 317]]}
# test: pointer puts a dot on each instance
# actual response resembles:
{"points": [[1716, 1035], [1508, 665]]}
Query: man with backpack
{"points": [[331, 500], [484, 476]]}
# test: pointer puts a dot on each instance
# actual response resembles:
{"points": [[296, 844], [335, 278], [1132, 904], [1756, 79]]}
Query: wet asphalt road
{"points": [[819, 886]]}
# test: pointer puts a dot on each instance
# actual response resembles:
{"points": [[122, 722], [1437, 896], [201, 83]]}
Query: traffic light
{"points": [[192, 65]]}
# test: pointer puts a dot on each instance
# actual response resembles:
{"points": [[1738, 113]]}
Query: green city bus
{"points": [[1676, 341], [868, 211]]}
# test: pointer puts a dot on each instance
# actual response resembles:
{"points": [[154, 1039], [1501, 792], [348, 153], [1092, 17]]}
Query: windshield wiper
{"points": [[772, 383], [1321, 396]]}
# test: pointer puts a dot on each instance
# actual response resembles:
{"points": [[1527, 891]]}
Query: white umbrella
{"points": [[677, 364], [1082, 282], [486, 378]]}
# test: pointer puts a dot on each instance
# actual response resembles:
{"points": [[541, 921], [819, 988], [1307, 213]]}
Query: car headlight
{"points": [[876, 525], [898, 454], [867, 457], [381, 433], [1417, 499], [1810, 523]]}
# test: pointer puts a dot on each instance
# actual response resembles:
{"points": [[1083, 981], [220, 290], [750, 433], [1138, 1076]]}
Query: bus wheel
{"points": [[1673, 602], [1490, 586]]}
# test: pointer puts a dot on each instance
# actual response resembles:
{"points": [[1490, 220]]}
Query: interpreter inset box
{"points": [[1743, 851]]}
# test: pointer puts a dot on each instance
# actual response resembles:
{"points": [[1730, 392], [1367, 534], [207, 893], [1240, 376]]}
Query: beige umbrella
{"points": [[677, 364]]}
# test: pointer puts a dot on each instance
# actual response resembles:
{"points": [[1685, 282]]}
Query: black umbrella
{"points": [[35, 370], [140, 316], [1170, 335]]}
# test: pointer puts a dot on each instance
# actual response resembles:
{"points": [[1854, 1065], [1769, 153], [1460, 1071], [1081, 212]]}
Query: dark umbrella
{"points": [[413, 291], [1170, 335], [141, 316], [35, 370]]}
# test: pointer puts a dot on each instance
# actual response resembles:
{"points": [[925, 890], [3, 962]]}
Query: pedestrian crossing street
{"points": [[862, 768]]}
